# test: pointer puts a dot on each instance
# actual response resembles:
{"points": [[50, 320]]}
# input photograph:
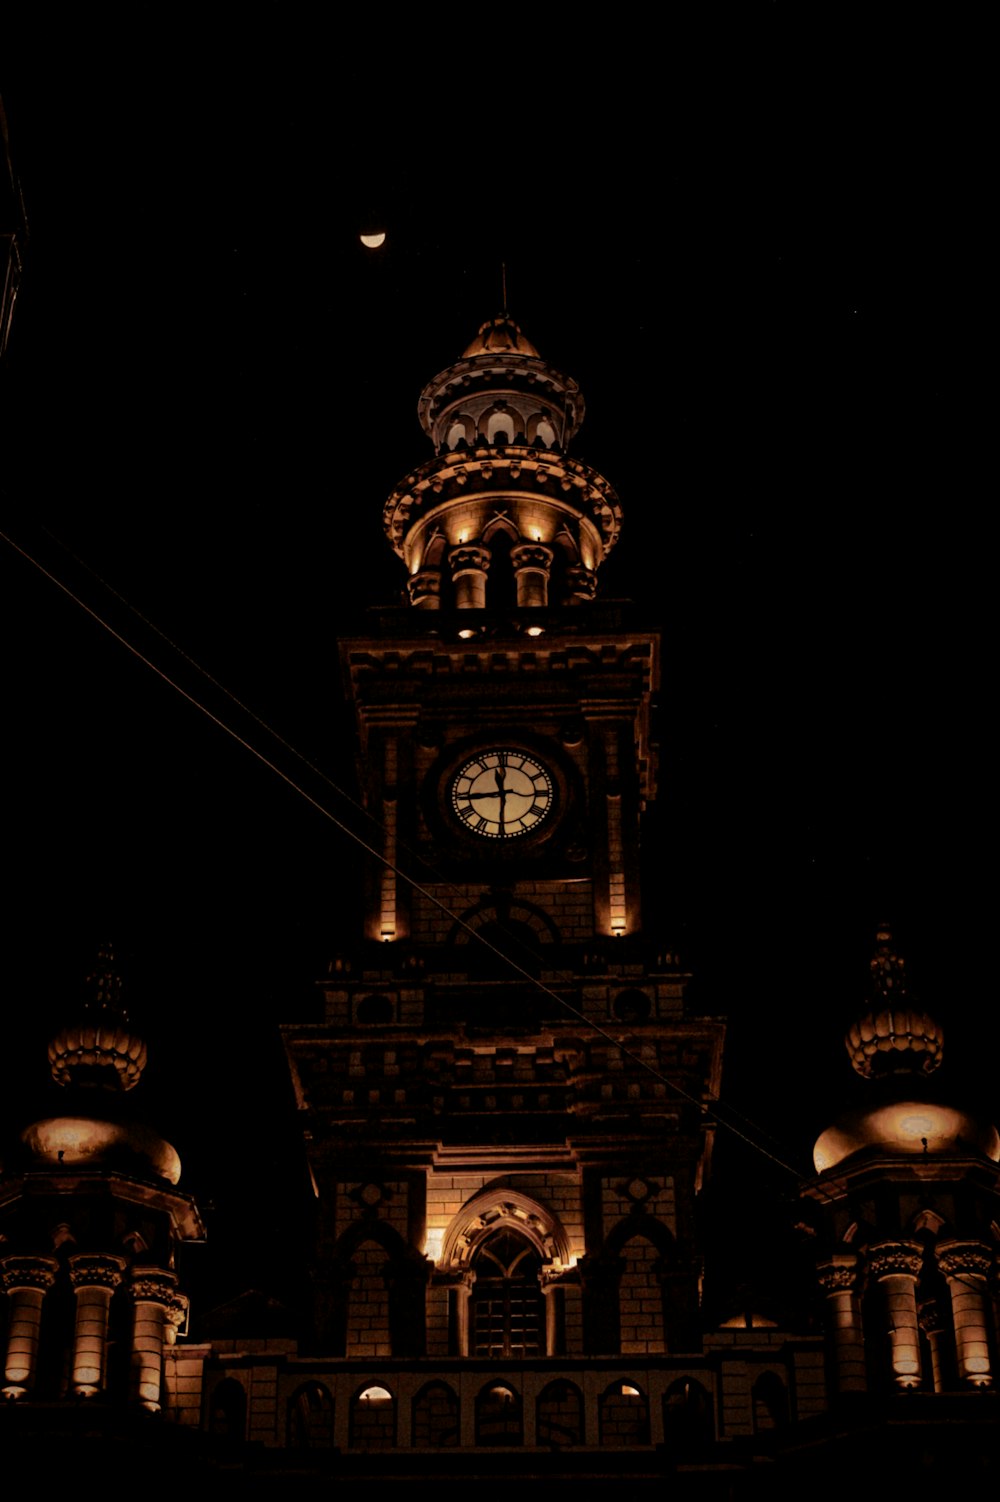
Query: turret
{"points": [[90, 1222], [501, 516], [907, 1203]]}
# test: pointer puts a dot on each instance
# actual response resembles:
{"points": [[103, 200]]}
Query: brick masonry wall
{"points": [[368, 1309], [619, 1197], [640, 1300]]}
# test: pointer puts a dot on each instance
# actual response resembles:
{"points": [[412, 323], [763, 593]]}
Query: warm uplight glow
{"points": [[466, 632], [434, 1243], [387, 935], [906, 1127], [372, 242], [535, 630]]}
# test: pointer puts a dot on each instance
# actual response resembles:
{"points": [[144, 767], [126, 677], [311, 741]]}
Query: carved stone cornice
{"points": [[531, 555], [462, 559], [896, 1258], [964, 1259], [839, 1274], [26, 1271], [573, 488], [152, 1285], [96, 1270]]}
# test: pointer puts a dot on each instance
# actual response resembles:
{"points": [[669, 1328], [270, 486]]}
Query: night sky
{"points": [[771, 296]]}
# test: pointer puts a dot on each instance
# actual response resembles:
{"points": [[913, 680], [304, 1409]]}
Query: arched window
{"points": [[687, 1415], [435, 1417], [227, 1412], [559, 1417], [376, 1008], [373, 1419], [310, 1418], [500, 427], [498, 1416], [624, 1415], [508, 1317]]}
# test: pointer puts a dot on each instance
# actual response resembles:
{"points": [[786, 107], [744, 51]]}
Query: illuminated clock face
{"points": [[502, 794]]}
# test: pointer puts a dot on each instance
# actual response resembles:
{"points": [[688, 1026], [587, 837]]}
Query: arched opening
{"points": [[435, 1417], [688, 1422], [624, 1415], [498, 1416], [310, 1418], [508, 1307], [373, 1419], [770, 1403], [377, 1008], [227, 1409], [559, 1416]]}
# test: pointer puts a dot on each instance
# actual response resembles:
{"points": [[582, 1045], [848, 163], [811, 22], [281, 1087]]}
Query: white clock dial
{"points": [[502, 794]]}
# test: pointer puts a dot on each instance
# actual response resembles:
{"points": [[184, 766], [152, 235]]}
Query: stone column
{"points": [[553, 1295], [154, 1299], [26, 1279], [425, 589], [461, 1293], [581, 585], [896, 1265], [932, 1324], [532, 562], [838, 1279], [95, 1278], [966, 1265], [468, 571]]}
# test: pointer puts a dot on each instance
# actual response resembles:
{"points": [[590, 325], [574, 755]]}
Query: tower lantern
{"points": [[501, 515]]}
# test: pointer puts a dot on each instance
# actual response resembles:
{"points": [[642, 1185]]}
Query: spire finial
{"points": [[503, 286]]}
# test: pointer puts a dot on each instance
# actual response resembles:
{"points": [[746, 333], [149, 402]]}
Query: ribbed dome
{"points": [[98, 1047], [500, 336], [892, 1033]]}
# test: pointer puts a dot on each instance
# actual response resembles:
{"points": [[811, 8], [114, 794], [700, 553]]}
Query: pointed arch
{"points": [[227, 1409], [623, 1414], [494, 1207], [688, 1415], [380, 1284], [310, 1417], [499, 1416], [559, 1415], [435, 1417], [373, 1419]]}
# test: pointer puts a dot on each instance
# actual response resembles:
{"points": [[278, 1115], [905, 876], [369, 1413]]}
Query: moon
{"points": [[373, 241]]}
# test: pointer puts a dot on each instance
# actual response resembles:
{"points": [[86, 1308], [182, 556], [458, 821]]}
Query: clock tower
{"points": [[504, 1102]]}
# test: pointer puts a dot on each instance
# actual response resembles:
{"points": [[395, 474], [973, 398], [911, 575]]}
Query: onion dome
{"points": [[892, 1033], [894, 1045], [99, 1051], [99, 1047], [70, 1143]]}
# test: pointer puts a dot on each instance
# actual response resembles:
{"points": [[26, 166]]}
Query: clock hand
{"points": [[501, 775]]}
